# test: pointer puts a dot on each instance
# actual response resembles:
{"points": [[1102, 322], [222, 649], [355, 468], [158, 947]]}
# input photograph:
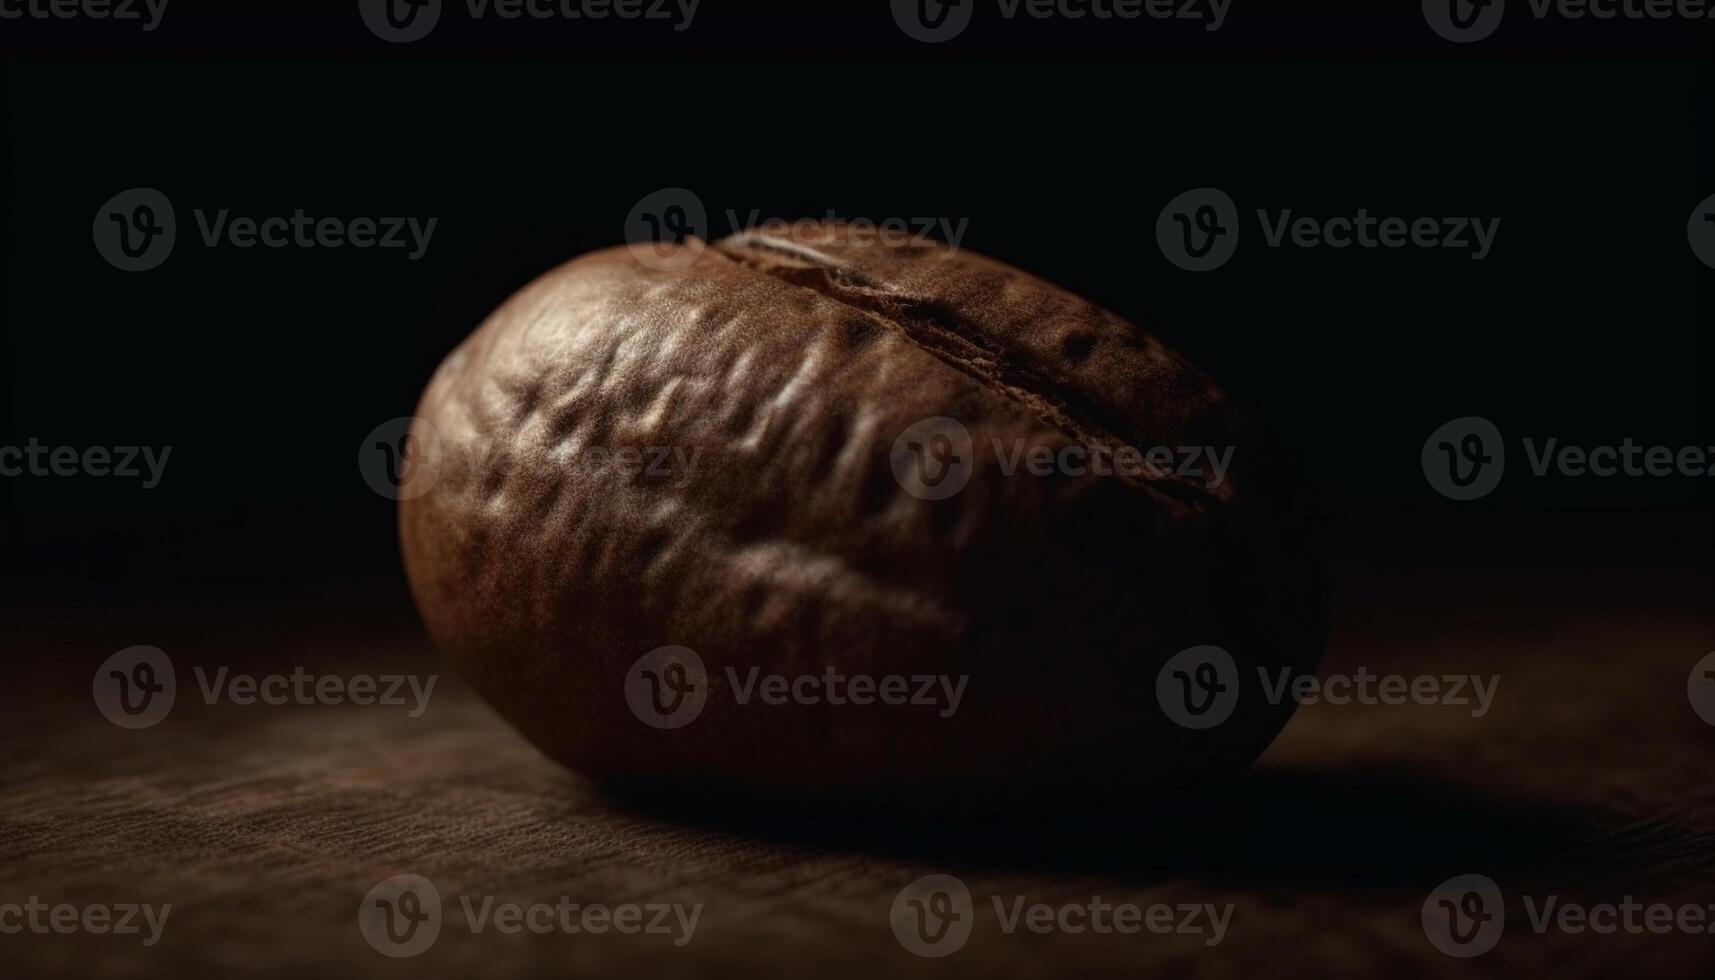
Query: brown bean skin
{"points": [[775, 534]]}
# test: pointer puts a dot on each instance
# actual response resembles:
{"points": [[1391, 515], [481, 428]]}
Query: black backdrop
{"points": [[265, 368]]}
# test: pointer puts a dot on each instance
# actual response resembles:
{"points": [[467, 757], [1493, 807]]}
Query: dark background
{"points": [[761, 31], [265, 368]]}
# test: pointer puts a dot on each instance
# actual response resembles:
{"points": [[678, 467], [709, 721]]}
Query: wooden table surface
{"points": [[265, 827]]}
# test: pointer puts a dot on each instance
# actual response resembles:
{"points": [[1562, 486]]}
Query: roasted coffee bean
{"points": [[905, 519]]}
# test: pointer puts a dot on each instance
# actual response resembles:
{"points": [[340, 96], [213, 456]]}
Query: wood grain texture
{"points": [[265, 827]]}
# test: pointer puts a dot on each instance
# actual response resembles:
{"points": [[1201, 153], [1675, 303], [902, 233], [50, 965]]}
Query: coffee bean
{"points": [[923, 522]]}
